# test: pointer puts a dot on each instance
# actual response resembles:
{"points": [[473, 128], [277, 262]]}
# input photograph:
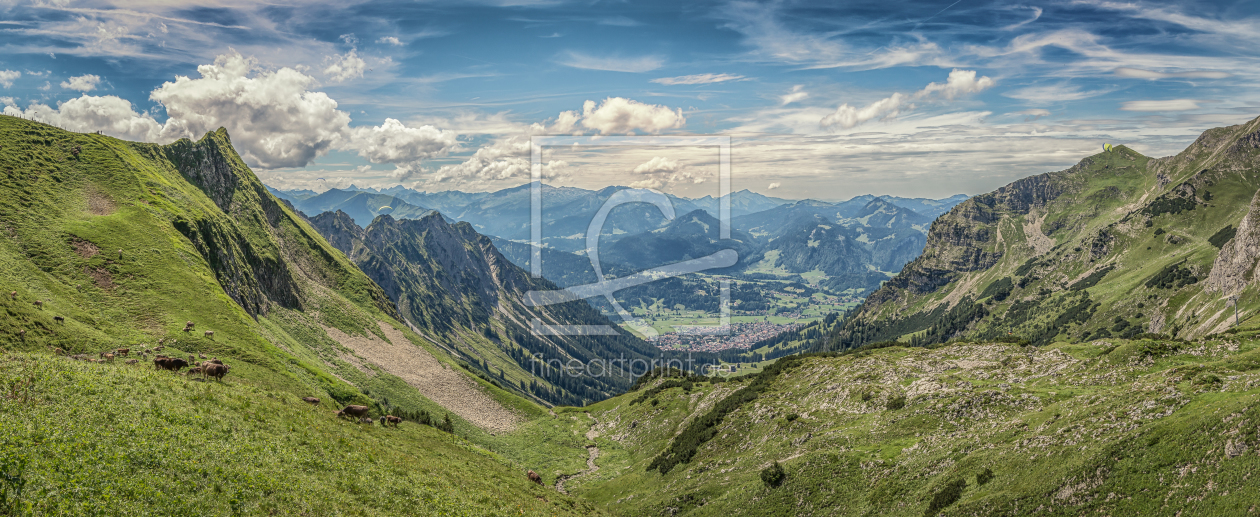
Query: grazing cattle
{"points": [[123, 351], [195, 370], [59, 351], [13, 294], [201, 356], [132, 361], [216, 370], [59, 319], [188, 329], [391, 420], [366, 420], [353, 411], [189, 324], [158, 349], [310, 400], [533, 476], [191, 359], [107, 357], [210, 334], [22, 332], [40, 304], [169, 363]]}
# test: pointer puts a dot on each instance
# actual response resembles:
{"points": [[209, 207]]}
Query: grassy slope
{"points": [[63, 219], [1103, 194], [1119, 428], [111, 439]]}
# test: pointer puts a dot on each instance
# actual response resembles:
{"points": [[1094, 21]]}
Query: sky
{"points": [[823, 100]]}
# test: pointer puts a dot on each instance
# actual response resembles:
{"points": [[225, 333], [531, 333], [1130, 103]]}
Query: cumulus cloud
{"points": [[658, 164], [1139, 73], [111, 115], [275, 120], [774, 185], [8, 76], [393, 142], [83, 83], [620, 115], [1168, 105], [504, 159], [47, 86], [797, 94], [611, 64], [959, 82], [345, 67], [390, 40], [661, 171], [698, 79], [847, 116]]}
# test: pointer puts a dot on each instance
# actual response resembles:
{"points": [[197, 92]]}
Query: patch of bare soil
{"points": [[433, 379], [1038, 240], [84, 248], [98, 203], [101, 276]]}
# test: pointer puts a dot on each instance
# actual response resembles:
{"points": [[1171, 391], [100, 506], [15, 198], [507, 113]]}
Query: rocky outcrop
{"points": [[1235, 266]]}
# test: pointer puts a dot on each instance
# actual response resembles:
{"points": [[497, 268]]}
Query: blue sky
{"points": [[822, 99]]}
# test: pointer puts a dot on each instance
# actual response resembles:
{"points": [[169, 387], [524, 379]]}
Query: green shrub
{"points": [[773, 475], [984, 477], [1219, 239], [792, 417], [896, 403], [947, 495]]}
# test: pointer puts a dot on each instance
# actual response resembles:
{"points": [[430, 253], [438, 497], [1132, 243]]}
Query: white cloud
{"points": [[847, 116], [8, 76], [1139, 73], [390, 40], [275, 121], [612, 64], [1168, 105], [620, 115], [83, 83], [658, 164], [394, 142], [698, 79], [507, 159], [8, 101], [959, 82], [47, 86], [1061, 92], [660, 172], [345, 67], [774, 185], [797, 94], [111, 115]]}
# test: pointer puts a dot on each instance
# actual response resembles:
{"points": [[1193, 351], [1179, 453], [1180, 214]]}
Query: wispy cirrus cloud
{"points": [[1164, 105], [639, 64], [698, 79]]}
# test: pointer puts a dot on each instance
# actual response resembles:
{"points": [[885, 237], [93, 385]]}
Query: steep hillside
{"points": [[1108, 428], [1118, 245], [453, 284], [122, 243]]}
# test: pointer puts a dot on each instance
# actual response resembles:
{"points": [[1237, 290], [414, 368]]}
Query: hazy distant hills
{"points": [[856, 243], [360, 206]]}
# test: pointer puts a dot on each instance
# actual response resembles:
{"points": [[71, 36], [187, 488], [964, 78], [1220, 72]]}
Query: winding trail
{"points": [[593, 453]]}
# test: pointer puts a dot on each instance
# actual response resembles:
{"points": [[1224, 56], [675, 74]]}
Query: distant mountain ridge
{"points": [[1118, 245]]}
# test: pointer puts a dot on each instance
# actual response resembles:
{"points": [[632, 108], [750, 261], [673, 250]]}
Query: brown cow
{"points": [[310, 400], [13, 295], [353, 411], [366, 420], [533, 476], [391, 420], [169, 363], [210, 334], [132, 361], [40, 304], [123, 351], [216, 370]]}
